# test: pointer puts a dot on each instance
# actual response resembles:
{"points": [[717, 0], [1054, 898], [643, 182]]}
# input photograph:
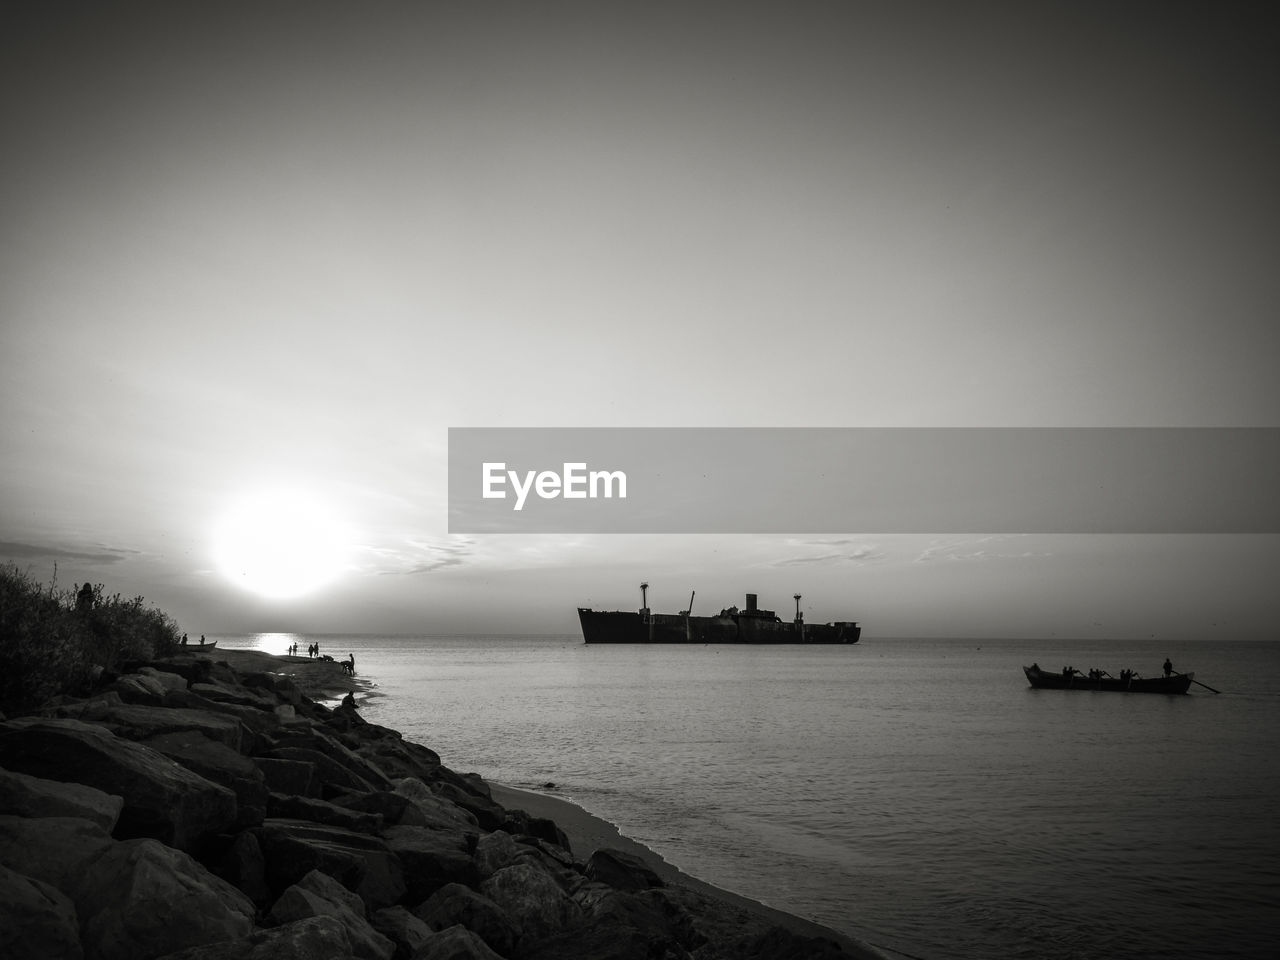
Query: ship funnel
{"points": [[644, 599], [799, 615], [751, 602]]}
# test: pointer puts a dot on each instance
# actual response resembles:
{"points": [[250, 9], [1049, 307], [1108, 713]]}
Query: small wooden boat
{"points": [[197, 645], [1126, 683]]}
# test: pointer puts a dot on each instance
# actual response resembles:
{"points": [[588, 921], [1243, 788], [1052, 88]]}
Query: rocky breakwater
{"points": [[193, 812]]}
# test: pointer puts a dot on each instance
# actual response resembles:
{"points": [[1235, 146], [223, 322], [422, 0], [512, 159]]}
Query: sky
{"points": [[256, 260]]}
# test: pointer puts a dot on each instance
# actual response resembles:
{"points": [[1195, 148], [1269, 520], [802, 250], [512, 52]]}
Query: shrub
{"points": [[54, 641]]}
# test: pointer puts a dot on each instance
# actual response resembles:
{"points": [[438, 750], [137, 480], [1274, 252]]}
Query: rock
{"points": [[140, 898], [321, 811], [336, 777], [166, 679], [319, 895], [262, 723], [432, 858], [315, 938], [519, 823], [135, 721], [243, 866], [139, 688], [395, 809], [621, 870], [778, 943], [392, 754], [495, 851], [295, 778], [402, 928], [283, 688], [532, 899], [439, 812], [456, 943], [51, 849], [219, 764], [36, 921], [490, 815], [28, 796], [161, 798], [361, 863], [456, 904], [233, 693]]}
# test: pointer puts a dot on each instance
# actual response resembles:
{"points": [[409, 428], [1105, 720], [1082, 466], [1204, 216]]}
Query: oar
{"points": [[1205, 685]]}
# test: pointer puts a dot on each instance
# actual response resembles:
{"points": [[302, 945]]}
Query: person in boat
{"points": [[1168, 666]]}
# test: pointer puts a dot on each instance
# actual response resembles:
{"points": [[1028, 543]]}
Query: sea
{"points": [[914, 793]]}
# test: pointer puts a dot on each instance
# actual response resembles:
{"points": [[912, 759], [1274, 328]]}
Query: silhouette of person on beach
{"points": [[350, 665], [349, 701], [1168, 666], [184, 639]]}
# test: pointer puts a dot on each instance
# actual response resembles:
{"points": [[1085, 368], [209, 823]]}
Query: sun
{"points": [[280, 543]]}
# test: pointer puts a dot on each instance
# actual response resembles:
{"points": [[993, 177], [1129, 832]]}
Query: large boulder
{"points": [[322, 811], [242, 865], [135, 721], [456, 904], [392, 754], [29, 796], [456, 943], [314, 938], [262, 723], [621, 870], [395, 809], [37, 922], [219, 764], [293, 778], [463, 791], [432, 858], [439, 812], [319, 895], [361, 863], [162, 799], [51, 849], [141, 899], [402, 928], [234, 693], [166, 678], [336, 777], [533, 900], [497, 850]]}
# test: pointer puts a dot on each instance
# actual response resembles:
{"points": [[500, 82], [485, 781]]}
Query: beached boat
{"points": [[207, 645], [749, 625], [1125, 683]]}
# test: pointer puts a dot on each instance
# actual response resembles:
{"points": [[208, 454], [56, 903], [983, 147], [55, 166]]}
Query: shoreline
{"points": [[587, 833], [325, 680]]}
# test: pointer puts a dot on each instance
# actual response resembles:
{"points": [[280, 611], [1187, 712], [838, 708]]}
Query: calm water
{"points": [[914, 793]]}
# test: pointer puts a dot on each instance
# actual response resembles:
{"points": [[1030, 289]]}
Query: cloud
{"points": [[27, 551], [418, 556], [978, 548], [861, 552]]}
